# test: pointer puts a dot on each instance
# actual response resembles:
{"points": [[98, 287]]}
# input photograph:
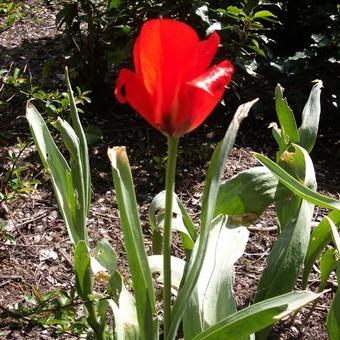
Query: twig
{"points": [[65, 256], [32, 219], [262, 228], [10, 277]]}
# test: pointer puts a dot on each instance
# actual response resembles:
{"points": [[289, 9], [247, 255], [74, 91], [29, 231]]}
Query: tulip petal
{"points": [[200, 96], [164, 54], [206, 51], [135, 93]]}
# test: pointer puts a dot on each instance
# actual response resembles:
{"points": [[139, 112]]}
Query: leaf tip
{"points": [[117, 153]]}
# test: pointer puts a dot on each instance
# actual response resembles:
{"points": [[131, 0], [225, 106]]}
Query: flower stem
{"points": [[169, 190]]}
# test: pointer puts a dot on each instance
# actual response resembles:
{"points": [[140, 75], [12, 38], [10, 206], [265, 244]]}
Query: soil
{"points": [[41, 256]]}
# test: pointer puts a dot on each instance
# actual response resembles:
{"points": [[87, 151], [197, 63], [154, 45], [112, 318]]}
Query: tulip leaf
{"points": [[335, 235], [257, 316], [286, 117], [123, 306], [286, 258], [320, 237], [333, 317], [82, 268], [156, 219], [72, 144], [310, 118], [85, 164], [247, 194], [297, 162], [59, 170], [297, 187], [106, 256], [213, 299], [177, 270], [328, 263], [134, 242], [287, 255], [214, 175]]}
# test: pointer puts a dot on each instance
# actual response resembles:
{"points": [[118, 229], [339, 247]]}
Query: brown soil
{"points": [[41, 255]]}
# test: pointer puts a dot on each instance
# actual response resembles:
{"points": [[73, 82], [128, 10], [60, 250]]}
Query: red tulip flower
{"points": [[172, 86]]}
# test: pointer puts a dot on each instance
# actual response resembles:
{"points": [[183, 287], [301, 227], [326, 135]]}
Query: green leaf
{"points": [[327, 265], [335, 235], [264, 14], [123, 305], [297, 187], [210, 193], [59, 170], [287, 255], [82, 268], [258, 316], [286, 117], [235, 11], [84, 156], [213, 299], [114, 4], [72, 144], [106, 256], [321, 236], [333, 317], [247, 194], [157, 214], [297, 162], [133, 242], [310, 118], [177, 270]]}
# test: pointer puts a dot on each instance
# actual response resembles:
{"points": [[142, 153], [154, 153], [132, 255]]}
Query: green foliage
{"points": [[205, 302], [15, 179], [56, 310], [11, 12], [17, 87]]}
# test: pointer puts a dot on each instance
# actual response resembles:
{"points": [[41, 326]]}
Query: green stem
{"points": [[92, 320], [169, 190]]}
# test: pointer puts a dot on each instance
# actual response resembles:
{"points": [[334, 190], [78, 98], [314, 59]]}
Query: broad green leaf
{"points": [[106, 256], [157, 214], [123, 305], [321, 236], [297, 162], [310, 118], [328, 263], [297, 187], [134, 242], [286, 117], [210, 193], [59, 170], [247, 194], [333, 317], [288, 253], [235, 11], [264, 14], [82, 268], [177, 270], [212, 299], [258, 316]]}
